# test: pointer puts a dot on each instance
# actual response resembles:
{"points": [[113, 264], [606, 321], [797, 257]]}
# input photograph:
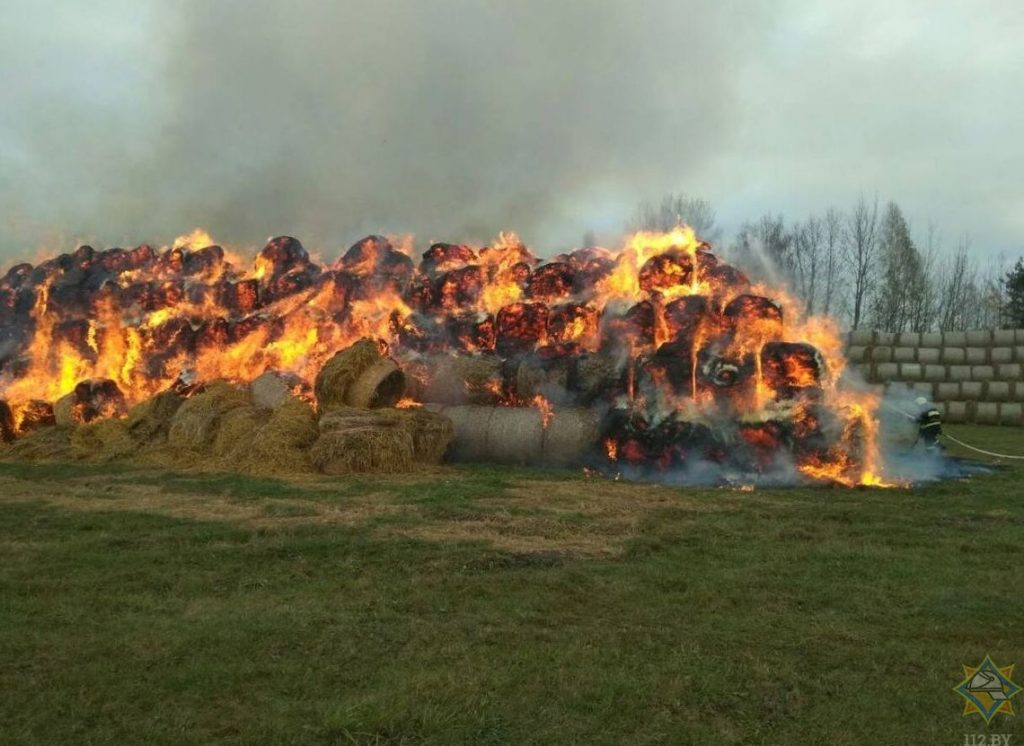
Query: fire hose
{"points": [[956, 440]]}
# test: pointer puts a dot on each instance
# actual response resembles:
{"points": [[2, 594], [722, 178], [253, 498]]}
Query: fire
{"points": [[692, 343]]}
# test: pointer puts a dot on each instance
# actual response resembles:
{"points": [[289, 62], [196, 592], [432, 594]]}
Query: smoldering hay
{"points": [[656, 360]]}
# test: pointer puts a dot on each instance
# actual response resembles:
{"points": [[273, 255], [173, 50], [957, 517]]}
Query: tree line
{"points": [[862, 265]]}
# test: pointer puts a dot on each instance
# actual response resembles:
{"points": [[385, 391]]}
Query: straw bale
{"points": [[380, 450], [570, 435], [103, 441], [954, 355], [431, 432], [340, 372], [1001, 355], [281, 445], [51, 443], [194, 426], [928, 355], [1011, 414], [150, 420], [380, 385], [515, 435], [471, 426]]}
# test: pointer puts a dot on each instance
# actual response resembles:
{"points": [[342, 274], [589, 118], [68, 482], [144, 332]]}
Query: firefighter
{"points": [[929, 425]]}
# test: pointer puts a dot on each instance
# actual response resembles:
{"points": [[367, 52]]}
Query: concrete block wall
{"points": [[973, 376]]}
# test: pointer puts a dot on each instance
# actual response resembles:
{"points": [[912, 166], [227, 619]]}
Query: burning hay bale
{"points": [[6, 423], [455, 379], [359, 376], [194, 426], [90, 400], [379, 450], [694, 359]]}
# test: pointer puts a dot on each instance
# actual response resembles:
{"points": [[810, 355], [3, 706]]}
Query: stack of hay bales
{"points": [[360, 430], [973, 376]]}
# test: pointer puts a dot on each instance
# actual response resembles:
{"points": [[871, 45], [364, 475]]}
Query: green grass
{"points": [[238, 610]]}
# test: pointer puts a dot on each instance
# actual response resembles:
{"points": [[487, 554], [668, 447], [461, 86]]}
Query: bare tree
{"points": [[957, 289], [860, 250], [676, 209], [808, 252], [765, 249], [832, 227]]}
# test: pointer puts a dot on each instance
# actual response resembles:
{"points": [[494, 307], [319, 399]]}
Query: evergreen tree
{"points": [[903, 281], [1013, 310]]}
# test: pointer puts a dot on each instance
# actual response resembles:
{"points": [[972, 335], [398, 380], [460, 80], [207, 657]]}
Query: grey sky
{"points": [[129, 121]]}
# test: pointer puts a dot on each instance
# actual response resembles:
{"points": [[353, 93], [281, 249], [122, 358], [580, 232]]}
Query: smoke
{"points": [[451, 119]]}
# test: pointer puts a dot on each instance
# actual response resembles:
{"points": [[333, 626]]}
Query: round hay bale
{"points": [[377, 450], [341, 371], [569, 436], [595, 375], [237, 431], [103, 441], [52, 443], [194, 426], [1001, 355], [270, 390], [1011, 414], [346, 418], [550, 380], [456, 379], [150, 420], [381, 385], [515, 435], [928, 355], [470, 425], [431, 432], [281, 445], [904, 354]]}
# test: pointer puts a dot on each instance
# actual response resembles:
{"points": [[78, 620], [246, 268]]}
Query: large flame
{"points": [[690, 332]]}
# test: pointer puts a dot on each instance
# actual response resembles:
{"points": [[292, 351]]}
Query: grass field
{"points": [[487, 606]]}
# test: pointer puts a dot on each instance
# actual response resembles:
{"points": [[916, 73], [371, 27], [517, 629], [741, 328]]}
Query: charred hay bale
{"points": [[442, 257], [35, 413], [359, 376], [194, 426], [89, 400], [455, 379], [520, 326], [376, 450], [103, 441], [6, 423]]}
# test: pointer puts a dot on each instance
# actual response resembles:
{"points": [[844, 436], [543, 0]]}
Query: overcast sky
{"points": [[130, 121]]}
